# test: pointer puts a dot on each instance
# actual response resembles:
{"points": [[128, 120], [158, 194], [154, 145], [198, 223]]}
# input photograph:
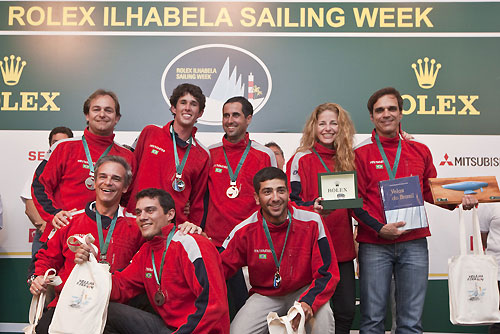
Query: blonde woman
{"points": [[326, 145]]}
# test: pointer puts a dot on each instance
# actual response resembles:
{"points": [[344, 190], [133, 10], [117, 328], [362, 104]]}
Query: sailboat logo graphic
{"points": [[221, 71]]}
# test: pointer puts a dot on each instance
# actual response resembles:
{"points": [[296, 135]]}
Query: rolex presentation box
{"points": [[339, 190], [403, 201]]}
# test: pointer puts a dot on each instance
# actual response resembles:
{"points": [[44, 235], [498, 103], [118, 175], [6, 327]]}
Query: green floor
{"points": [[15, 300]]}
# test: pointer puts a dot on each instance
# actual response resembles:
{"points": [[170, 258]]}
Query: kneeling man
{"points": [[289, 258], [180, 273]]}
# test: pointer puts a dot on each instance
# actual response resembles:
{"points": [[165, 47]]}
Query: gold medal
{"points": [[232, 191]]}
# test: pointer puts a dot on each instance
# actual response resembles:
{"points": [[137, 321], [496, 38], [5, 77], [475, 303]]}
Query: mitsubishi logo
{"points": [[446, 161]]}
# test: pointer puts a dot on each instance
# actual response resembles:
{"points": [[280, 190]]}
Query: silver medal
{"points": [[89, 183], [178, 185]]}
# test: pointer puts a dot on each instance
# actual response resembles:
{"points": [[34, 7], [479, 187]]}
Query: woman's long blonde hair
{"points": [[344, 157]]}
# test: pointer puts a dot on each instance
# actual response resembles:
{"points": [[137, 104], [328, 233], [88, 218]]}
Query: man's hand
{"points": [[38, 286], [40, 225], [317, 207], [61, 218], [308, 312], [469, 201], [189, 228], [83, 253], [406, 135], [391, 232]]}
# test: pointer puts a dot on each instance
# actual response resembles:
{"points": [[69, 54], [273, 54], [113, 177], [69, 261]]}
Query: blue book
{"points": [[403, 201]]}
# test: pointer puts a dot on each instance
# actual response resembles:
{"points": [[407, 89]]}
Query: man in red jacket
{"points": [[115, 231], [289, 258], [230, 192], [385, 250], [65, 179], [180, 273], [171, 158]]}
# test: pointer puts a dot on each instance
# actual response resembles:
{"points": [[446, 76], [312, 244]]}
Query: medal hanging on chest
{"points": [[233, 191], [178, 184], [277, 276], [103, 260], [89, 181], [159, 296], [277, 280], [104, 243]]}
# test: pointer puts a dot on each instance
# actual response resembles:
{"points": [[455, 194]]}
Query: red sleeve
{"points": [[295, 185], [52, 256], [204, 277], [199, 188], [128, 283], [45, 181], [325, 271], [234, 254], [430, 172], [139, 146]]}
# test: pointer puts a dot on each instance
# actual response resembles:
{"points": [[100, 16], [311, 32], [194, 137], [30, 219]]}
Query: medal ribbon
{"points": [[180, 167], [234, 176], [89, 158], [392, 173], [320, 159], [103, 245], [270, 241], [169, 239]]}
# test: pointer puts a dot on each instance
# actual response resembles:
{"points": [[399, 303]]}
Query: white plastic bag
{"points": [[83, 303], [282, 325], [38, 302], [472, 282]]}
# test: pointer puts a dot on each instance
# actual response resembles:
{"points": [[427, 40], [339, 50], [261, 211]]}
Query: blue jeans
{"points": [[409, 263]]}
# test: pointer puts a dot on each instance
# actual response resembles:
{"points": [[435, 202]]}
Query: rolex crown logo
{"points": [[426, 75], [12, 70]]}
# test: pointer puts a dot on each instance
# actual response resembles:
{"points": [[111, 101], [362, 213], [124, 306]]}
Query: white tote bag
{"points": [[282, 325], [83, 303], [472, 281], [38, 302]]}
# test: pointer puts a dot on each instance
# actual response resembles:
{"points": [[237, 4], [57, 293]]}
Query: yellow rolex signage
{"points": [[12, 68], [287, 57], [426, 72]]}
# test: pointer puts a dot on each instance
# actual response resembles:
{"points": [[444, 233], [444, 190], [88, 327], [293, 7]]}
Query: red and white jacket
{"points": [[125, 242], [192, 282], [59, 181], [302, 171], [225, 213], [415, 160], [308, 259], [154, 154]]}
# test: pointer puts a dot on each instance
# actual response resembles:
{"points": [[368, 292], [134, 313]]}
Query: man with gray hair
{"points": [[115, 231]]}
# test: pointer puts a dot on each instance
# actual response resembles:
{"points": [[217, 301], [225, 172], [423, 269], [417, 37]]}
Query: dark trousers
{"points": [[344, 298], [237, 292], [138, 303], [124, 319], [44, 322]]}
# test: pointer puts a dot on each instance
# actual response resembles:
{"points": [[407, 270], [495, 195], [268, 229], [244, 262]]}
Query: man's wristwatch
{"points": [[31, 279]]}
